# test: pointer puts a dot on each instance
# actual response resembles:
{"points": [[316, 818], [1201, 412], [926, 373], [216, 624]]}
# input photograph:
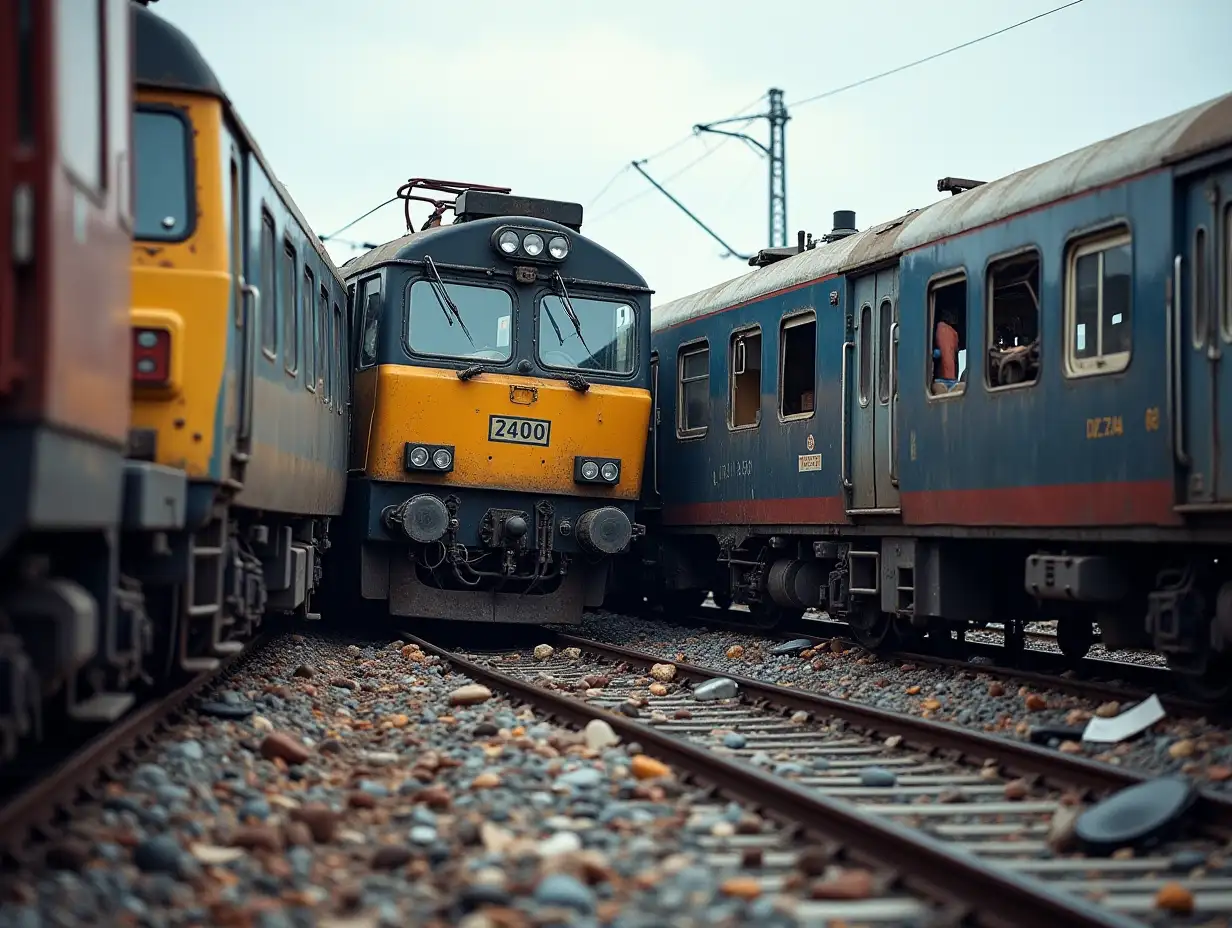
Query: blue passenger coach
{"points": [[1007, 405]]}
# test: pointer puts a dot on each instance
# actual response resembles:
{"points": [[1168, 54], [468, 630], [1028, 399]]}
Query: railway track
{"points": [[38, 803], [957, 818], [1093, 678]]}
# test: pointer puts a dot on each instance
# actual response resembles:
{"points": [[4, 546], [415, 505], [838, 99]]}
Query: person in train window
{"points": [[945, 353]]}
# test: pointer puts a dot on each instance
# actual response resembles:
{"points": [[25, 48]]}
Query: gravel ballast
{"points": [[325, 783], [965, 697]]}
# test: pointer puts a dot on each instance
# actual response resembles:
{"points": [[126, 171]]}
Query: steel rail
{"points": [[1066, 770], [34, 809], [985, 895]]}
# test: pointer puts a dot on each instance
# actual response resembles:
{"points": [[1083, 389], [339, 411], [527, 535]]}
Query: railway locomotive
{"points": [[239, 362], [71, 629], [501, 413], [1009, 405]]}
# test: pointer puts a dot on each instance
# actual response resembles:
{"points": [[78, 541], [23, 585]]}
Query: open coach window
{"points": [[160, 160], [947, 344], [599, 337], [744, 389], [478, 330], [797, 365], [1013, 320]]}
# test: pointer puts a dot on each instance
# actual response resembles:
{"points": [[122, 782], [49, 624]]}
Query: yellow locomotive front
{"points": [[500, 418]]}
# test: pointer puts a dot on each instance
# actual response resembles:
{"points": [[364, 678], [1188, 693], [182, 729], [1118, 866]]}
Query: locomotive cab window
{"points": [[744, 385], [370, 307], [693, 395], [797, 365], [947, 343], [1013, 321], [472, 334], [1098, 284], [80, 98], [161, 175], [598, 336]]}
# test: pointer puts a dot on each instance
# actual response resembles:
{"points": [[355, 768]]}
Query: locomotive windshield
{"points": [[606, 343], [160, 198], [480, 329]]}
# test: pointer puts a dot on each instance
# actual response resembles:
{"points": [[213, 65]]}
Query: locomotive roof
{"points": [[1145, 148], [164, 57]]}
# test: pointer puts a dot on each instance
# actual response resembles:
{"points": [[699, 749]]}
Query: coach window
{"points": [[885, 327], [1227, 272], [744, 386], [307, 301], [340, 377], [370, 305], [865, 336], [797, 365], [323, 373], [287, 307], [1013, 320], [693, 399], [597, 337], [268, 301], [1099, 326], [79, 99], [162, 175], [947, 325], [474, 333]]}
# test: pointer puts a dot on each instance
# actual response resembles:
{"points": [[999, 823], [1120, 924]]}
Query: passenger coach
{"points": [[1011, 404], [502, 400]]}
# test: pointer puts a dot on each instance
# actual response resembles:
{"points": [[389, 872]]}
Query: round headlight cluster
{"points": [[596, 471], [429, 457], [532, 244]]}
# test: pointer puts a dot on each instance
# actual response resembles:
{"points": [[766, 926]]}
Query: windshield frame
{"points": [[190, 170], [480, 284], [566, 326]]}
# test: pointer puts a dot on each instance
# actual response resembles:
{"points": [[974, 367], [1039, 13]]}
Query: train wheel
{"points": [[1075, 637], [872, 628]]}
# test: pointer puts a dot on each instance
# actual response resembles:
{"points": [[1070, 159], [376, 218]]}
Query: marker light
{"points": [[610, 472], [442, 459], [558, 247], [533, 244], [590, 470], [419, 456]]}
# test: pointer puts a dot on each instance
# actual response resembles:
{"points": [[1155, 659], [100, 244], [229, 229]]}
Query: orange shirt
{"points": [[947, 342]]}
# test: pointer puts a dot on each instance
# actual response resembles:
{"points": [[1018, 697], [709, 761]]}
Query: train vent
{"points": [[844, 225]]}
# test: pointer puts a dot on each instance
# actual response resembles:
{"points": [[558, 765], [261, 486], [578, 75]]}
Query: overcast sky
{"points": [[349, 99]]}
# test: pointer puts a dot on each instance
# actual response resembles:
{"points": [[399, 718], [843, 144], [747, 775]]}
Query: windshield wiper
{"points": [[442, 296], [573, 317], [552, 319]]}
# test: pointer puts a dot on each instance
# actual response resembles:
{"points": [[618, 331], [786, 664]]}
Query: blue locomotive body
{"points": [[1009, 403]]}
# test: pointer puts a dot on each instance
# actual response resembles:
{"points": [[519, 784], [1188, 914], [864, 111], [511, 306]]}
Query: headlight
{"points": [[419, 456], [590, 470], [533, 244], [508, 242], [442, 459], [558, 247], [610, 472]]}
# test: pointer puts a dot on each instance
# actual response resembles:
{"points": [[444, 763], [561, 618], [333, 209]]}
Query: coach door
{"points": [[1201, 339], [246, 298], [871, 394]]}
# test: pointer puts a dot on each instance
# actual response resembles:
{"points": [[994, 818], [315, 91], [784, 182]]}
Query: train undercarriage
{"points": [[919, 593]]}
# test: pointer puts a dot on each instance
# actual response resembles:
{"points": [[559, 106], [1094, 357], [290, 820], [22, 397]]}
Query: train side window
{"points": [[268, 301], [1012, 292], [339, 354], [885, 326], [947, 344], [323, 372], [79, 97], [1227, 272], [287, 308], [307, 301], [744, 387], [865, 379], [1098, 320], [693, 396], [797, 365], [370, 302]]}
